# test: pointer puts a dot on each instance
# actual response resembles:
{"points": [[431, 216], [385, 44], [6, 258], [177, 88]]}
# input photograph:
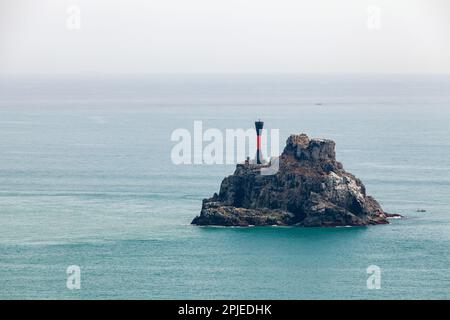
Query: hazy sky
{"points": [[225, 36]]}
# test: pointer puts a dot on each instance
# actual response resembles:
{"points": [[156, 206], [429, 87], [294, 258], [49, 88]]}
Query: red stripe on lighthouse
{"points": [[258, 142]]}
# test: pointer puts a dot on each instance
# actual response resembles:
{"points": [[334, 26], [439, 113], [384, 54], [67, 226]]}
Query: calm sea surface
{"points": [[86, 179]]}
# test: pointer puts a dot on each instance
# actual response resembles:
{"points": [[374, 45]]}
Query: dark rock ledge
{"points": [[310, 189]]}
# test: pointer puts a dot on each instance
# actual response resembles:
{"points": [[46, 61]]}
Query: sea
{"points": [[87, 179]]}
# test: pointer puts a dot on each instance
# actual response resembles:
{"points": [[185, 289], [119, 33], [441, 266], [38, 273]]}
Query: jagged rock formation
{"points": [[310, 189]]}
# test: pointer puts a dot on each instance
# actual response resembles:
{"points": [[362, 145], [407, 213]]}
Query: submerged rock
{"points": [[310, 189]]}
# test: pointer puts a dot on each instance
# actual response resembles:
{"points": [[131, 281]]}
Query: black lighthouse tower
{"points": [[259, 126]]}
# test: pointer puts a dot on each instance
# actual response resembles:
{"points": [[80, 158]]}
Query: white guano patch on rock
{"points": [[341, 183]]}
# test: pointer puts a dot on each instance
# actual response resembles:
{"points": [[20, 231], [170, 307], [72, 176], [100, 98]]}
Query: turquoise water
{"points": [[86, 179]]}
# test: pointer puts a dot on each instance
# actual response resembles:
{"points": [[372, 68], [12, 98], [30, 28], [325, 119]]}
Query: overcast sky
{"points": [[224, 36]]}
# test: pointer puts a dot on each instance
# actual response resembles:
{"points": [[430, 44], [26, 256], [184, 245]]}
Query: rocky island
{"points": [[310, 189]]}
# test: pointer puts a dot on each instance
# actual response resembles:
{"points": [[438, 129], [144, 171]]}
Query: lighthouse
{"points": [[259, 126]]}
